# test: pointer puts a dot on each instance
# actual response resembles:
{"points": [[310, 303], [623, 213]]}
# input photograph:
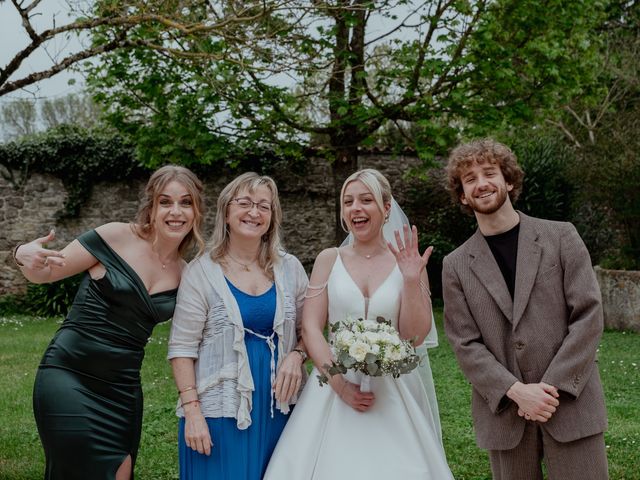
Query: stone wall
{"points": [[306, 197], [620, 298]]}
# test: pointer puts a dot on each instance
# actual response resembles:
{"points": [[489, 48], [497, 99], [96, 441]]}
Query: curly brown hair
{"points": [[481, 151]]}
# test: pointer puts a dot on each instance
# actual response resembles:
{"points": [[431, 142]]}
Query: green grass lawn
{"points": [[23, 340]]}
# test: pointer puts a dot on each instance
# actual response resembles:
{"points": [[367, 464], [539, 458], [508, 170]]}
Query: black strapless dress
{"points": [[87, 397]]}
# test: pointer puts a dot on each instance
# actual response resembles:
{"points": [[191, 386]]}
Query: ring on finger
{"points": [[46, 261]]}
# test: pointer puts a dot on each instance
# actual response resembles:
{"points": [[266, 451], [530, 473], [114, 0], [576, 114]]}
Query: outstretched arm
{"points": [[42, 265]]}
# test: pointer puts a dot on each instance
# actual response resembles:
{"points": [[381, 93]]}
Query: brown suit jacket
{"points": [[549, 332]]}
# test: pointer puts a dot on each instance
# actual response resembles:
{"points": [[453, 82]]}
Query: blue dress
{"points": [[243, 454]]}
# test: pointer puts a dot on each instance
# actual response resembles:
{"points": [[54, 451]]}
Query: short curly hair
{"points": [[481, 151]]}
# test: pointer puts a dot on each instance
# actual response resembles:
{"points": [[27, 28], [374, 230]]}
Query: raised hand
{"points": [[410, 262], [34, 256]]}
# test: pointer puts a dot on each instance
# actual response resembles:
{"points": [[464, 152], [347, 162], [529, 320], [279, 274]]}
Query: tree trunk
{"points": [[345, 163]]}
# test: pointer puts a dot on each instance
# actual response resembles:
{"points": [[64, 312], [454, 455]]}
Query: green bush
{"points": [[51, 299], [547, 190], [608, 175], [11, 304], [79, 157]]}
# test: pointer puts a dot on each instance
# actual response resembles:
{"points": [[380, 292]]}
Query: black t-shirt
{"points": [[504, 247]]}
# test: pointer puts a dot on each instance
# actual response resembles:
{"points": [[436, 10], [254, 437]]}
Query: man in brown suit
{"points": [[523, 314]]}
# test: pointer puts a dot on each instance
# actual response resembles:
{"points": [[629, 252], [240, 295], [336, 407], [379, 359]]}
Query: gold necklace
{"points": [[164, 264], [245, 266], [369, 256]]}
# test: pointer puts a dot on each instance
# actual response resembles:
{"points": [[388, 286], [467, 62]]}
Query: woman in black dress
{"points": [[87, 396]]}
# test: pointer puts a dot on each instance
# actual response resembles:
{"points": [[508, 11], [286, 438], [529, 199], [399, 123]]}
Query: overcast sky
{"points": [[13, 39]]}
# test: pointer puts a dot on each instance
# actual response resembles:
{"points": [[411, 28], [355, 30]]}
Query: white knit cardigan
{"points": [[207, 326]]}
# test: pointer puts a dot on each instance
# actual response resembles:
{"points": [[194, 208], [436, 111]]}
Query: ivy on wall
{"points": [[79, 157]]}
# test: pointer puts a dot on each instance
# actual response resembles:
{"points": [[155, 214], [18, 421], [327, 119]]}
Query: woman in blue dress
{"points": [[235, 347]]}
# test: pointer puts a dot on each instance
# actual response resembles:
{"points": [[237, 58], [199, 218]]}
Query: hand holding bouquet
{"points": [[372, 347]]}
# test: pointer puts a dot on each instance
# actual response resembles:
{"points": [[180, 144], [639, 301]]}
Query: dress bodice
{"points": [[110, 321], [346, 298]]}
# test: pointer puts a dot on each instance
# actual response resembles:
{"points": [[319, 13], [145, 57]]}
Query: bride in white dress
{"points": [[338, 431]]}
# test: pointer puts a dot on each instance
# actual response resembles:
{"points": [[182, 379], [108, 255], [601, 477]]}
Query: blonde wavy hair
{"points": [[271, 245], [149, 201], [377, 184]]}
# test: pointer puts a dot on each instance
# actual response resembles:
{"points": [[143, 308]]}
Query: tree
{"points": [[112, 21], [603, 128], [340, 71], [72, 109], [19, 118], [25, 116]]}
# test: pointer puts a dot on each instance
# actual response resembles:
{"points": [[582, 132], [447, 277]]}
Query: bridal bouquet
{"points": [[372, 347]]}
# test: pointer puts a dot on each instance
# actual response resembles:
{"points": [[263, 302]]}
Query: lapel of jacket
{"points": [[527, 263], [485, 267]]}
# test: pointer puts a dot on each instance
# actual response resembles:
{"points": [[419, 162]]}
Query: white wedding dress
{"points": [[326, 439]]}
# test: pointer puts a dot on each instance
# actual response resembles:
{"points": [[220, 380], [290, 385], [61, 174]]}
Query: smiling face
{"points": [[360, 211], [173, 211], [247, 215], [484, 188]]}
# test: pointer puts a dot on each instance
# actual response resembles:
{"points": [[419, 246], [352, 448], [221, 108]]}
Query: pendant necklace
{"points": [[367, 256], [245, 266]]}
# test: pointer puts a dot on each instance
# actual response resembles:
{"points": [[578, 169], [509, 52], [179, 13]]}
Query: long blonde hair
{"points": [[271, 245], [377, 184], [148, 204]]}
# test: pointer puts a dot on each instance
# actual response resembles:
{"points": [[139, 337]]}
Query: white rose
{"points": [[371, 337], [344, 338], [393, 353], [375, 349], [370, 325], [359, 350], [389, 338]]}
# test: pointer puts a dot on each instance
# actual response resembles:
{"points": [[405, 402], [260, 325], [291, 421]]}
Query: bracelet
{"points": [[186, 389], [302, 353], [182, 405], [425, 289], [14, 252]]}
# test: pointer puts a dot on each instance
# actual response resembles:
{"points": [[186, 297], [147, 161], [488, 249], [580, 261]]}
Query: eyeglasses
{"points": [[246, 204]]}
